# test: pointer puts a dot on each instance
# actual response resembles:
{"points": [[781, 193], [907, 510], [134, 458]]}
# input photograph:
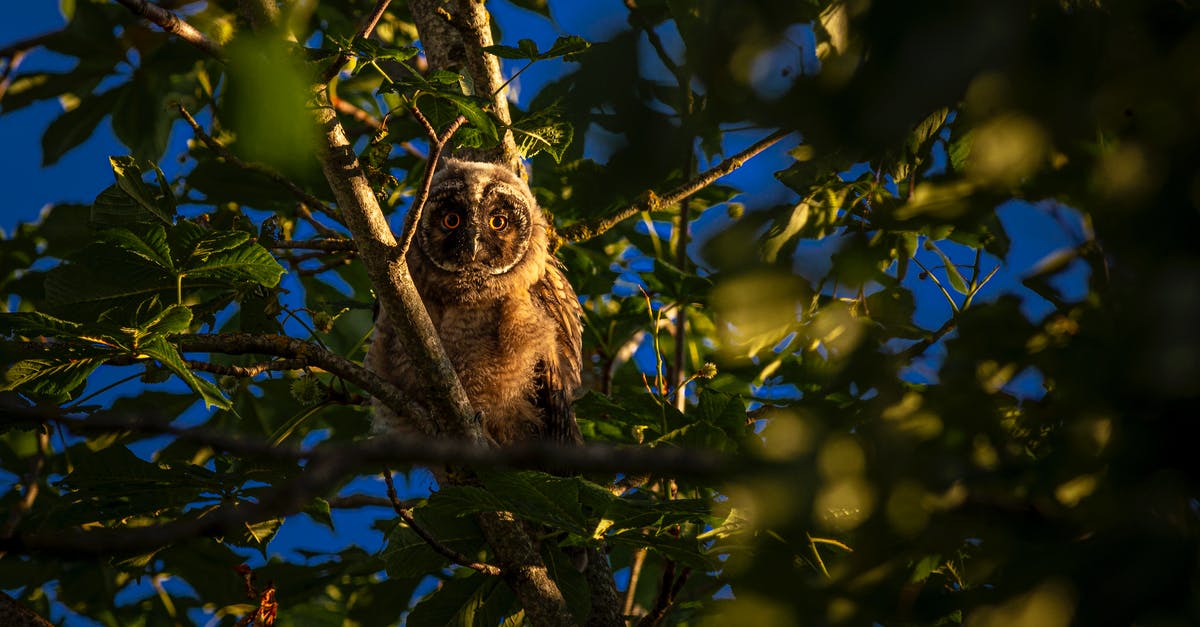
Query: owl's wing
{"points": [[558, 377]]}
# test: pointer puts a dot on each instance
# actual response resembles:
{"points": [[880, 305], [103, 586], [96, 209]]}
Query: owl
{"points": [[506, 315]]}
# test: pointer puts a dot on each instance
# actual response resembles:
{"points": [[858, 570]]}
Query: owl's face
{"points": [[479, 222]]}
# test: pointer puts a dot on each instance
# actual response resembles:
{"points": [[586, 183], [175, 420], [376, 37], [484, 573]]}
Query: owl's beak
{"points": [[474, 246]]}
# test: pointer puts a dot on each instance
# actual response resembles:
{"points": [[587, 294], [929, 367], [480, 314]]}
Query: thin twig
{"points": [[27, 44], [931, 275], [332, 264], [436, 144], [258, 168], [175, 25], [327, 245], [405, 514], [649, 201], [357, 501], [918, 348], [364, 31], [6, 75], [305, 214], [253, 370]]}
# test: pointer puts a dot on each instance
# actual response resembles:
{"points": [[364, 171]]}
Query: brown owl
{"points": [[507, 317]]}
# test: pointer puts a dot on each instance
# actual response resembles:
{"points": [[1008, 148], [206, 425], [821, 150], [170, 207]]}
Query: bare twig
{"points": [[357, 501], [303, 212], [649, 201], [437, 143], [175, 25], [332, 264], [405, 514], [918, 348], [6, 75], [258, 168], [327, 245], [364, 31]]}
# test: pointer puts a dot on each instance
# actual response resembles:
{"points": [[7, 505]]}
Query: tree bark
{"points": [[454, 34]]}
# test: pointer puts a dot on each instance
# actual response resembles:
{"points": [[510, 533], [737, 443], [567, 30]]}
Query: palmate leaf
{"points": [[150, 245], [130, 200], [73, 127]]}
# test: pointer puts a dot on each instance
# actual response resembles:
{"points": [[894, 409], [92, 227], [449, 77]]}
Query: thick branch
{"points": [[173, 24], [329, 465], [524, 571], [223, 152], [17, 615], [392, 282], [283, 346], [651, 202]]}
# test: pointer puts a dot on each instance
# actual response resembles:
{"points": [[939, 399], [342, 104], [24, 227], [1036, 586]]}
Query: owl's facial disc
{"points": [[487, 235]]}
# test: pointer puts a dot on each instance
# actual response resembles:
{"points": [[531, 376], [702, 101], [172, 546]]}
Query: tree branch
{"points": [[649, 201], [405, 514], [454, 34], [327, 245], [283, 346], [223, 152], [328, 465], [437, 143], [248, 371], [175, 25], [364, 31]]}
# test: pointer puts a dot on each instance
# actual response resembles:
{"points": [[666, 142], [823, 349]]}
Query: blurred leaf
{"points": [[74, 127]]}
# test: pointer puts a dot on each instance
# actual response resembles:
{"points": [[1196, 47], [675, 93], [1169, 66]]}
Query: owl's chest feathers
{"points": [[494, 348]]}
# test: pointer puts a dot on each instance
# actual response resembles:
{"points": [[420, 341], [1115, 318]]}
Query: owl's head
{"points": [[481, 224]]}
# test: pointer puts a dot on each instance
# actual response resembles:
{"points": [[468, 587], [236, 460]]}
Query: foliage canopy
{"points": [[917, 423]]}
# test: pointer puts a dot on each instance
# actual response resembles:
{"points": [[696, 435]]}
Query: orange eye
{"points": [[451, 221], [498, 222]]}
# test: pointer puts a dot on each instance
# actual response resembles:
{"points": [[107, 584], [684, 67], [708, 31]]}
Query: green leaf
{"points": [[52, 378], [157, 347], [31, 323], [955, 277], [173, 319], [463, 602], [150, 245], [73, 127], [140, 119], [566, 46], [245, 262], [318, 510], [157, 203], [26, 89]]}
